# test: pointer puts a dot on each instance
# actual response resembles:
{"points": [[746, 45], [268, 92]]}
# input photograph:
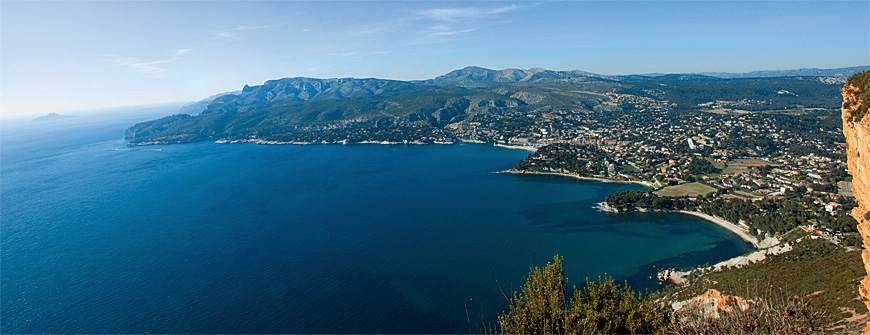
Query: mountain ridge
{"points": [[476, 76], [342, 109]]}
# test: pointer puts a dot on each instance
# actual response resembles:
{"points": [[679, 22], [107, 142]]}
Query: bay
{"points": [[97, 237]]}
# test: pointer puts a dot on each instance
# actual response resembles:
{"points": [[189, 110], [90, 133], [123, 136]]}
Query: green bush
{"points": [[861, 81], [601, 307], [605, 307]]}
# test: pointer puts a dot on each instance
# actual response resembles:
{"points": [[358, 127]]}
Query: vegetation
{"points": [[601, 307], [605, 307], [701, 167], [861, 82], [775, 216], [690, 189], [766, 316], [693, 90], [582, 160], [819, 273]]}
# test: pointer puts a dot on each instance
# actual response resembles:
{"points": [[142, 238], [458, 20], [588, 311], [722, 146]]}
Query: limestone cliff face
{"points": [[858, 139]]}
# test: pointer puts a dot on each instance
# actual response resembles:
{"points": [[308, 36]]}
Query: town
{"points": [[791, 157]]}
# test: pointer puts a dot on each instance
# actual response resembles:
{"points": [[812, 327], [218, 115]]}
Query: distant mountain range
{"points": [[285, 107], [809, 72], [301, 89]]}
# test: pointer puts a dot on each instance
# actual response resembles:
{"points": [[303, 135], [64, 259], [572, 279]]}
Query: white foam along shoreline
{"points": [[727, 225]]}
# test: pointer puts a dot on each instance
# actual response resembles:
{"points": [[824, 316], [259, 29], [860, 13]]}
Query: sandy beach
{"points": [[728, 225]]}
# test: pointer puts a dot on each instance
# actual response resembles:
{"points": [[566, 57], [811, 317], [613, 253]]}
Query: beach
{"points": [[728, 225]]}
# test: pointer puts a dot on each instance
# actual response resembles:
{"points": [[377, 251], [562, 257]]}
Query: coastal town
{"points": [[714, 152], [789, 162]]}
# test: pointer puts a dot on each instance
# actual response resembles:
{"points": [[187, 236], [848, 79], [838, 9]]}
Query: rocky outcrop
{"points": [[711, 302], [857, 133]]}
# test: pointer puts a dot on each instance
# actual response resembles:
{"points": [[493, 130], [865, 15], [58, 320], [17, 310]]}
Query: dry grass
{"points": [[690, 189]]}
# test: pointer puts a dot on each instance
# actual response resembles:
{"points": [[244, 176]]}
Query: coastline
{"points": [[570, 175], [520, 147], [714, 219], [758, 245], [727, 225]]}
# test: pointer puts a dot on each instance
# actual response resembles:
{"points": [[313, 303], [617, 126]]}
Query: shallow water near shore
{"points": [[218, 238]]}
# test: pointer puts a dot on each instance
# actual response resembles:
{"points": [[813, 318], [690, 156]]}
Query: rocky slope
{"points": [[857, 133]]}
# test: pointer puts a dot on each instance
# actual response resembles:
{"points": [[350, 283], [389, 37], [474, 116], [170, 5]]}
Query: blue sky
{"points": [[57, 56]]}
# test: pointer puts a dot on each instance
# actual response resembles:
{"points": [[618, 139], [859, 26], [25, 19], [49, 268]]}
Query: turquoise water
{"points": [[210, 238]]}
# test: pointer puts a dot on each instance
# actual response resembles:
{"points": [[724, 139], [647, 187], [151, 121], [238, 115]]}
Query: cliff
{"points": [[856, 127]]}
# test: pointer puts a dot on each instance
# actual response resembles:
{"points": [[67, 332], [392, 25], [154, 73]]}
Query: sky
{"points": [[76, 55]]}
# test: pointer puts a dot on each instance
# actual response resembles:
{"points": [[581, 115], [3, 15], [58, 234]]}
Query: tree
{"points": [[601, 307]]}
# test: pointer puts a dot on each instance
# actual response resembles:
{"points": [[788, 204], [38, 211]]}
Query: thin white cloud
{"points": [[224, 35], [450, 32], [342, 54], [448, 23], [379, 28], [445, 22], [235, 33], [150, 69], [464, 13], [428, 26], [153, 69], [257, 27]]}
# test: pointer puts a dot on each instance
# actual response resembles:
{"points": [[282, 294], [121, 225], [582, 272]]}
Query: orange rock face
{"points": [[858, 152], [713, 301]]}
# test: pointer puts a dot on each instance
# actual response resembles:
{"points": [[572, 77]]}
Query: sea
{"points": [[100, 237]]}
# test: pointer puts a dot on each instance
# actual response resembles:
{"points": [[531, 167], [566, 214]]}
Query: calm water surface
{"points": [[98, 237]]}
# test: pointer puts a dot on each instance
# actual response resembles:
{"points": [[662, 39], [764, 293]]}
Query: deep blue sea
{"points": [[98, 237]]}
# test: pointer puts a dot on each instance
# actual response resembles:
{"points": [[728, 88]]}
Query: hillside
{"points": [[352, 110]]}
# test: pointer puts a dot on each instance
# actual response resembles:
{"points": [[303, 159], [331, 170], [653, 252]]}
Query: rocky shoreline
{"points": [[680, 277]]}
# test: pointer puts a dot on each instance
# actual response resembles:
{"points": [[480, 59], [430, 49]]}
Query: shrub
{"points": [[861, 82], [791, 316], [605, 307], [601, 307]]}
